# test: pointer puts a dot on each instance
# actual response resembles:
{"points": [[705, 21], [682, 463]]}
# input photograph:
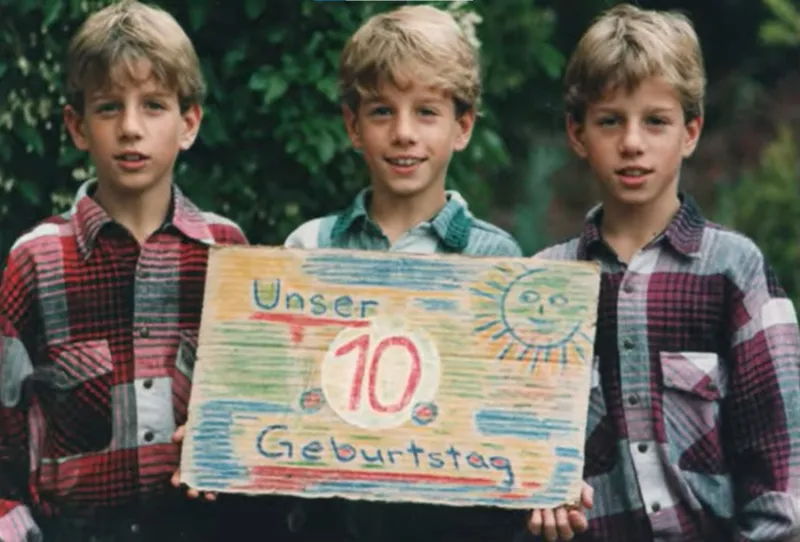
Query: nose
{"points": [[130, 124], [405, 132], [632, 142], [541, 310]]}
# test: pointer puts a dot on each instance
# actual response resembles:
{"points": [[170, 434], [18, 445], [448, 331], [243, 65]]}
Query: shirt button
{"points": [[148, 437], [643, 447], [655, 507], [711, 387], [144, 332], [135, 528], [628, 287], [633, 399], [627, 344], [148, 383]]}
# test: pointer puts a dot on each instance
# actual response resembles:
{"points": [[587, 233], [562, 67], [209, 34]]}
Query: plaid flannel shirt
{"points": [[96, 359], [694, 418]]}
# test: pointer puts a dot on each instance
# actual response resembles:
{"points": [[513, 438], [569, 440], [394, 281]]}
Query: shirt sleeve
{"points": [[762, 410], [16, 520]]}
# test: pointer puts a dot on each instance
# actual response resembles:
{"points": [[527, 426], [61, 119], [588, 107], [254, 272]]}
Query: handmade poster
{"points": [[392, 377]]}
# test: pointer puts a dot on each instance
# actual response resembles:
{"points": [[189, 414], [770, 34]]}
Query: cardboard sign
{"points": [[392, 377]]}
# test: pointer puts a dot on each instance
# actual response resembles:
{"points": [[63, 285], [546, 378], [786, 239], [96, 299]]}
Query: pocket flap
{"points": [[697, 373], [75, 363]]}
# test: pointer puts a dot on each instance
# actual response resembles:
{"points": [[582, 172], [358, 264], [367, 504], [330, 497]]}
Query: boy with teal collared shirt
{"points": [[410, 82]]}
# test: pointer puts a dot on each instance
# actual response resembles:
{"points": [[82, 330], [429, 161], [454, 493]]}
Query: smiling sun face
{"points": [[533, 315]]}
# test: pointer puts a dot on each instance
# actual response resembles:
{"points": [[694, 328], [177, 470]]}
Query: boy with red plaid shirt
{"points": [[102, 304]]}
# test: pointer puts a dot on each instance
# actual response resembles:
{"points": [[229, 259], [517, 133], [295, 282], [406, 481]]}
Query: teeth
{"points": [[634, 172], [131, 157], [404, 161]]}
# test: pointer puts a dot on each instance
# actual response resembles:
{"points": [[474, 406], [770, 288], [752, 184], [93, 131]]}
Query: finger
{"points": [[587, 496], [210, 496], [535, 522], [177, 436], [562, 524], [192, 493], [578, 521], [176, 479], [549, 526]]}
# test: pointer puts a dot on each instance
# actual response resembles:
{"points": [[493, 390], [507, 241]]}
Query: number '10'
{"points": [[361, 344]]}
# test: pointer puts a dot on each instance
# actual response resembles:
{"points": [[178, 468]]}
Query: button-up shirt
{"points": [[453, 230], [694, 420], [96, 359]]}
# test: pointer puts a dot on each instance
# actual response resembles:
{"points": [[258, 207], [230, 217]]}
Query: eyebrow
{"points": [[651, 111]]}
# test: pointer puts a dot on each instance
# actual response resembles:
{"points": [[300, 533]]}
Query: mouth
{"points": [[541, 325], [131, 157], [633, 172], [404, 161]]}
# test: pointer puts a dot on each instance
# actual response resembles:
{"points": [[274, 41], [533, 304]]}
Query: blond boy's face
{"points": [[133, 131], [635, 143], [407, 137]]}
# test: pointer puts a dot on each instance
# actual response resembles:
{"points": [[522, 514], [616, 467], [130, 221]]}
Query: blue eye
{"points": [[557, 300], [529, 296]]}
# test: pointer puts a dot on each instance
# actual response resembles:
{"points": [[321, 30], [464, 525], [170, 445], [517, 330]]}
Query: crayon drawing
{"points": [[393, 377]]}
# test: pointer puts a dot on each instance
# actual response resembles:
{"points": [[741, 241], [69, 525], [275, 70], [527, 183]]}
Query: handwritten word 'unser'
{"points": [[413, 456], [270, 297]]}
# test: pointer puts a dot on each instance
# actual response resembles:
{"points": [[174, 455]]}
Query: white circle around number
{"points": [[373, 377]]}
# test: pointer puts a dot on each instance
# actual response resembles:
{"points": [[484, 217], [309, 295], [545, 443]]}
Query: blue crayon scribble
{"points": [[445, 305], [511, 423], [396, 272], [215, 461]]}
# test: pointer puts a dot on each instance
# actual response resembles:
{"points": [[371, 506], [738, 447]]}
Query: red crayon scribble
{"points": [[298, 322]]}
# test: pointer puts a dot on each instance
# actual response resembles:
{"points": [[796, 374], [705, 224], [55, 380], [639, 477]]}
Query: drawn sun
{"points": [[533, 315]]}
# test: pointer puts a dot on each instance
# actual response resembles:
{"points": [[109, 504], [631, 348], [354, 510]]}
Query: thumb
{"points": [[177, 436], [587, 496]]}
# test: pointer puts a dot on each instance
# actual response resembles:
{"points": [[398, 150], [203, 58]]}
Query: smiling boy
{"points": [[694, 420], [410, 84], [103, 302]]}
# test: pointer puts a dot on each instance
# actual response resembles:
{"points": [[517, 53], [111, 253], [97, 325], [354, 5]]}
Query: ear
{"points": [[76, 128], [466, 122], [351, 125], [693, 129], [192, 118], [575, 133]]}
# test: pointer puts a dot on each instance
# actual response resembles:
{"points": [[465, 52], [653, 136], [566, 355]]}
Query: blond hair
{"points": [[627, 45], [411, 42], [111, 41]]}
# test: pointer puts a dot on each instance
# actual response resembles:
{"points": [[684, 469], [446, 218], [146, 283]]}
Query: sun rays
{"points": [[530, 316]]}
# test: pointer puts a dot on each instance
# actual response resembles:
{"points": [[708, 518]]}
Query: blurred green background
{"points": [[273, 152]]}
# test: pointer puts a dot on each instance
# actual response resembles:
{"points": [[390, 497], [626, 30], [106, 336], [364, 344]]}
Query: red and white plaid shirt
{"points": [[97, 350], [694, 418]]}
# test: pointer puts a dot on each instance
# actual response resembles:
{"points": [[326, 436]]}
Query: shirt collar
{"points": [[684, 233], [88, 218], [451, 224]]}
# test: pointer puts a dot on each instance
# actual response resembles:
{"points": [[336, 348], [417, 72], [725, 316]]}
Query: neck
{"points": [[396, 214], [629, 228], [140, 213]]}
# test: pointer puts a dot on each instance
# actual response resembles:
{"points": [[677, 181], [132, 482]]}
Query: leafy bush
{"points": [[766, 205]]}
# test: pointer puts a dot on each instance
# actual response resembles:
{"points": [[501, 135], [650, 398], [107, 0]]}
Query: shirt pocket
{"points": [[182, 374], [75, 394], [695, 383]]}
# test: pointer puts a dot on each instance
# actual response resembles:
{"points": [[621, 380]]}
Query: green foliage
{"points": [[272, 150], [784, 27], [766, 205]]}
